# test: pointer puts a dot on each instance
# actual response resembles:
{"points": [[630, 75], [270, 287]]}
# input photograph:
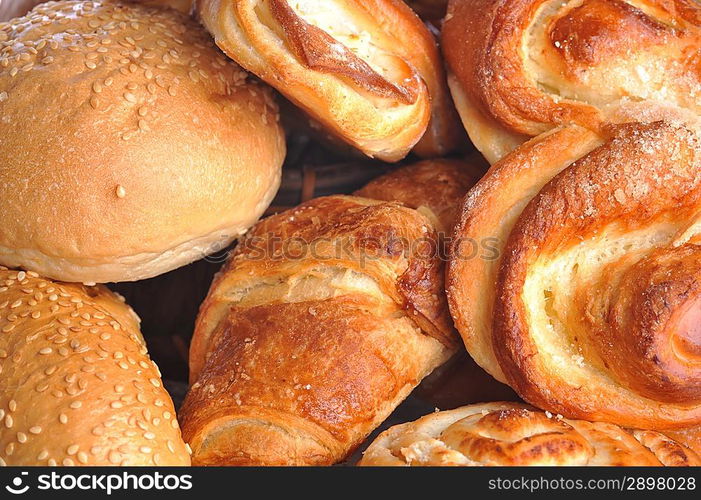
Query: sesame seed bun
{"points": [[77, 385], [130, 145]]}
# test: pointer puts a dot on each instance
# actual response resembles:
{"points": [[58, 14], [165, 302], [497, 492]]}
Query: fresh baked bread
{"points": [[369, 71], [130, 144], [433, 187], [512, 434], [323, 321], [76, 384], [522, 67], [589, 307]]}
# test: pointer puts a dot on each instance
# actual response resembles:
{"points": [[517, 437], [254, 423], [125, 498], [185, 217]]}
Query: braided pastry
{"points": [[513, 434], [521, 67], [591, 307]]}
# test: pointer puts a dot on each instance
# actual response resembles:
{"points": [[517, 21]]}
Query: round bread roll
{"points": [[513, 434], [131, 146], [76, 384]]}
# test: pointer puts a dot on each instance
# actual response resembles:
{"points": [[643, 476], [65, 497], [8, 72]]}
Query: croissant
{"points": [[521, 67], [512, 434], [76, 384], [589, 306], [369, 71], [322, 322]]}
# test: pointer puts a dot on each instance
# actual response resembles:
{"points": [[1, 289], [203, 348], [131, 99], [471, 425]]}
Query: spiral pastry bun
{"points": [[131, 146], [591, 307], [77, 386], [521, 67], [368, 71], [513, 434]]}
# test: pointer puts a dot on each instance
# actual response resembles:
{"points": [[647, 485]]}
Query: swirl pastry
{"points": [[521, 67], [512, 434], [323, 321], [77, 386], [590, 308], [369, 71]]}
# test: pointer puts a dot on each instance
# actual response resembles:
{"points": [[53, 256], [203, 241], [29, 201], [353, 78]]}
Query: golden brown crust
{"points": [[77, 385], [527, 66], [486, 219], [594, 302], [433, 187], [324, 371], [131, 173], [369, 71], [512, 434], [325, 318]]}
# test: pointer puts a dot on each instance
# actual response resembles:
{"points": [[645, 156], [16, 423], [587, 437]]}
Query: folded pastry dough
{"points": [[512, 434], [591, 306], [521, 67], [369, 71]]}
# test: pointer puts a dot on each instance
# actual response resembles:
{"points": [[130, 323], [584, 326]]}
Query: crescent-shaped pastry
{"points": [[322, 322], [512, 434], [369, 71], [590, 304], [521, 67]]}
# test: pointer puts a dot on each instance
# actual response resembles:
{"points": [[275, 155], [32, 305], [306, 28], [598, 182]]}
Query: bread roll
{"points": [[512, 434], [590, 306], [369, 71], [131, 145], [522, 67], [76, 384], [324, 320]]}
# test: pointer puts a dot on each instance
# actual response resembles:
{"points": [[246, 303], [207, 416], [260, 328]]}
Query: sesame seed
{"points": [[45, 350], [21, 437], [72, 449], [43, 455], [35, 430], [12, 405], [63, 418], [120, 191]]}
